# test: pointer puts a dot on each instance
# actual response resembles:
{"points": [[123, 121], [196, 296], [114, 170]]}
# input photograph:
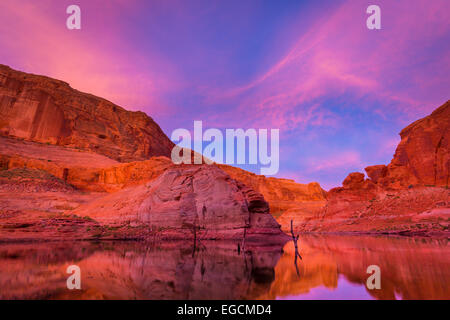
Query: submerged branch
{"points": [[297, 254]]}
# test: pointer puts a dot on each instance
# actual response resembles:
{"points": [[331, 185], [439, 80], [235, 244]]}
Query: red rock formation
{"points": [[377, 172], [423, 155], [410, 195], [123, 175], [189, 201], [421, 158], [46, 110], [36, 182], [282, 194], [354, 180]]}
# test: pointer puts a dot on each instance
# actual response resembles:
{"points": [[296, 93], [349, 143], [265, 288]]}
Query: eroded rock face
{"points": [[423, 154], [376, 172], [354, 180], [46, 110], [123, 175], [412, 188], [190, 201], [421, 158], [282, 194]]}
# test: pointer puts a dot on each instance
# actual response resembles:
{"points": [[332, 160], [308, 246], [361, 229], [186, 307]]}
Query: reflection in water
{"points": [[333, 267]]}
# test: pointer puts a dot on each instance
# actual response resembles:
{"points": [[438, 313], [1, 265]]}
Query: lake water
{"points": [[332, 267]]}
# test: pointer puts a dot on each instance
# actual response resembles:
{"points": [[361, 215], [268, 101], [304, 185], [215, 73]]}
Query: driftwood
{"points": [[297, 254]]}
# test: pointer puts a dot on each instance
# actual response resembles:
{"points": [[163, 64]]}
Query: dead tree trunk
{"points": [[297, 254]]}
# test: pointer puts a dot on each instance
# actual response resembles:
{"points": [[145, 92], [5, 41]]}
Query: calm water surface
{"points": [[333, 267]]}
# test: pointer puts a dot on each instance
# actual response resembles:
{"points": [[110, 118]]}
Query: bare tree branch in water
{"points": [[297, 254], [195, 227]]}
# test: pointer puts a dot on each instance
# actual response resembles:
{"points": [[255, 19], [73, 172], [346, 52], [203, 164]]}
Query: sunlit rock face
{"points": [[376, 172], [410, 195], [423, 154], [73, 139], [190, 201], [288, 200], [282, 194], [46, 110], [421, 158], [87, 144]]}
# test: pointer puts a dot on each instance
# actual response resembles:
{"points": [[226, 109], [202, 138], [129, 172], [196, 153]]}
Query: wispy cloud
{"points": [[338, 92], [343, 159], [33, 36], [339, 57]]}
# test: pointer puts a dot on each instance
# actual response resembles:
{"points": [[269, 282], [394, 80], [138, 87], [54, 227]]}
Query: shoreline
{"points": [[251, 243]]}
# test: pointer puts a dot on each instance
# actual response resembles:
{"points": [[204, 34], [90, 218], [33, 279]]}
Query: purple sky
{"points": [[338, 92]]}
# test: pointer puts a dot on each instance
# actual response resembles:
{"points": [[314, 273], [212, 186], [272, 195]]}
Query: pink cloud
{"points": [[343, 159], [338, 56]]}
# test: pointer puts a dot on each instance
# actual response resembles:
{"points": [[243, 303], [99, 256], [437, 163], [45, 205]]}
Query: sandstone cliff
{"points": [[410, 195], [422, 156], [42, 109], [282, 194], [189, 201]]}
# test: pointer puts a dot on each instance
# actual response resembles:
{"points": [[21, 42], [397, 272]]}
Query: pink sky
{"points": [[338, 92]]}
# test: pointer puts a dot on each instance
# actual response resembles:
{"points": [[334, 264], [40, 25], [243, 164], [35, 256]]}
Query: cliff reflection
{"points": [[333, 267], [410, 268], [136, 270]]}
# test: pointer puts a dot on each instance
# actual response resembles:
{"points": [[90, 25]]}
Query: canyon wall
{"points": [[422, 156], [282, 194], [410, 195]]}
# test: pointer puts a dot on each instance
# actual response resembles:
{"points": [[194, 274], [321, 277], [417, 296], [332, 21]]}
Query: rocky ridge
{"points": [[42, 109], [408, 196]]}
